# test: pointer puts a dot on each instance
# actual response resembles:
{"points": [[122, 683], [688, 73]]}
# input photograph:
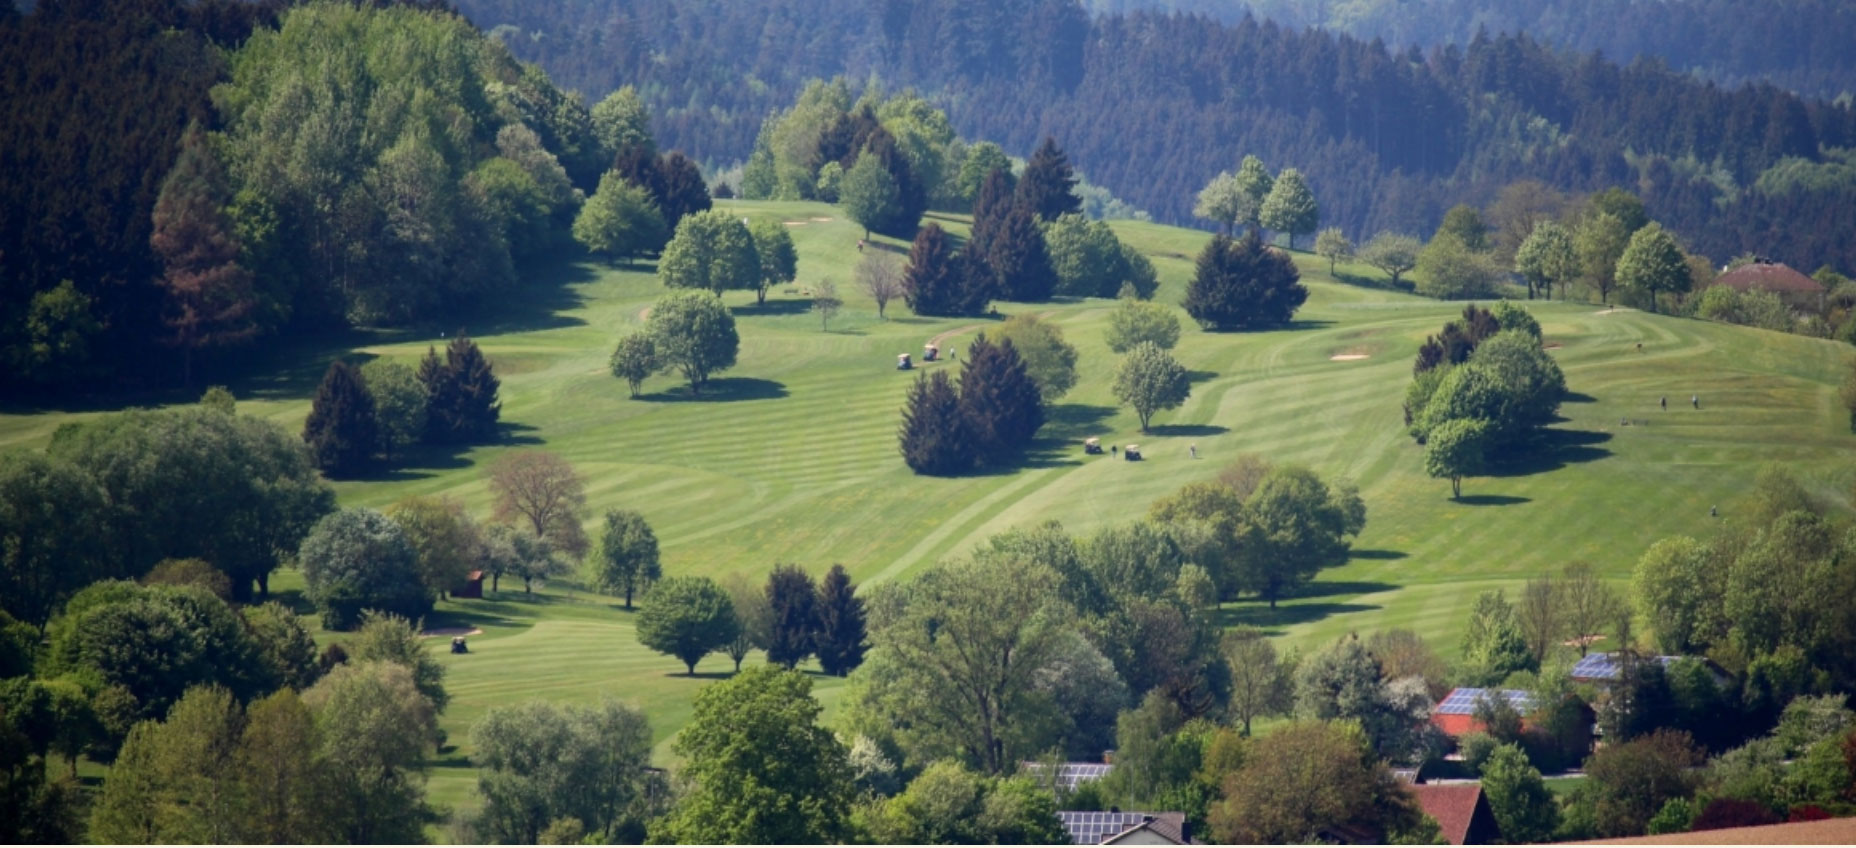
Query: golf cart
{"points": [[1131, 453], [903, 363], [1092, 445], [930, 353]]}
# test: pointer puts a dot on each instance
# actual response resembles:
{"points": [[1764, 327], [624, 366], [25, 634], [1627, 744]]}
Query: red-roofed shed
{"points": [[472, 587], [1792, 286], [1461, 811]]}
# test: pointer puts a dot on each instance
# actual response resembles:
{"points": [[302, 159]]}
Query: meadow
{"points": [[791, 456]]}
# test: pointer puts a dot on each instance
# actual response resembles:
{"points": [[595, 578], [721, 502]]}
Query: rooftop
{"points": [[1453, 805], [1770, 276], [1462, 700], [1096, 828], [1605, 666]]}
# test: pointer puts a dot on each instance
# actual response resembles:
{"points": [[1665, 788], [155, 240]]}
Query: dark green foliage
{"points": [[934, 432], [359, 559], [250, 489], [840, 640], [33, 809], [1465, 222], [790, 635], [50, 516], [939, 281], [687, 617], [1632, 781], [627, 557], [1047, 187], [543, 762], [341, 431], [673, 181], [911, 194], [460, 394], [999, 400], [1305, 524], [1008, 244], [1243, 285]]}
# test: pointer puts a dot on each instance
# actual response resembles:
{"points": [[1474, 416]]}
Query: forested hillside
{"points": [[1152, 107], [1801, 45]]}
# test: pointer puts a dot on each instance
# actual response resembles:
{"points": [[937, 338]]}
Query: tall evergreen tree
{"points": [[342, 431], [1243, 285], [795, 615], [1048, 184], [869, 194], [840, 639], [933, 434], [990, 206], [999, 400], [911, 195], [211, 298], [460, 393], [673, 181], [1017, 257], [938, 281]]}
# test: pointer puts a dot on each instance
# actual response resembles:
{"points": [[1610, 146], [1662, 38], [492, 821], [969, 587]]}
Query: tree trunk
{"points": [[496, 579], [692, 667], [628, 597], [1456, 488]]}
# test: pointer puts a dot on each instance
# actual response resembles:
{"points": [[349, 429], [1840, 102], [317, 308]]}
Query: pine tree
{"points": [[933, 434], [1048, 184], [795, 615], [911, 195], [937, 280], [990, 207], [1018, 258], [1243, 285], [460, 394], [342, 431], [840, 638], [211, 299], [999, 400]]}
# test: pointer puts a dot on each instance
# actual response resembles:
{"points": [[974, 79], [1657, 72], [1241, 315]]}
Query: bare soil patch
{"points": [[1349, 357]]}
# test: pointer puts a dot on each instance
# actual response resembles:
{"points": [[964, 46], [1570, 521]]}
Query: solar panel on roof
{"points": [[1090, 828], [1463, 701]]}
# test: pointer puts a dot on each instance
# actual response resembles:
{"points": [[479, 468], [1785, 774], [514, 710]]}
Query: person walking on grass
{"points": [[1194, 448]]}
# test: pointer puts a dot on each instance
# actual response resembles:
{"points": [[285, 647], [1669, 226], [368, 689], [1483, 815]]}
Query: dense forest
{"points": [[1800, 45], [1152, 106]]}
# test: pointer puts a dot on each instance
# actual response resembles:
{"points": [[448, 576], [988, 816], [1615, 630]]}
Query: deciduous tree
{"points": [[541, 489], [448, 543], [687, 618], [1290, 207], [399, 404], [620, 220], [1150, 380], [50, 517], [635, 360], [1253, 183], [540, 763], [376, 731], [1134, 321], [389, 638], [826, 303], [880, 278], [711, 250], [1524, 810], [779, 259], [626, 560], [1455, 449], [1393, 253], [1049, 360], [1221, 202], [1653, 264], [1547, 258], [1260, 685], [1303, 779], [1332, 244], [869, 194], [693, 332], [1600, 242], [359, 559]]}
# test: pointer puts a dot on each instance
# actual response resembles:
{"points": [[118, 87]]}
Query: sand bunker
{"points": [[820, 220], [1349, 357], [451, 631], [794, 223], [1606, 311]]}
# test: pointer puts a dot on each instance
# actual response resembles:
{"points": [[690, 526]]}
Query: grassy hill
{"points": [[792, 456]]}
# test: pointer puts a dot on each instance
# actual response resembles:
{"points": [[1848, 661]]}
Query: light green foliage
{"points": [[220, 399], [385, 637], [711, 250], [49, 514], [687, 618], [922, 132], [621, 120], [1774, 592], [779, 260], [1393, 253], [1680, 593], [59, 327], [359, 559], [376, 731], [283, 643], [780, 166], [177, 776], [620, 220], [1547, 258], [949, 805], [1150, 380], [399, 403], [1135, 321], [1512, 316], [1346, 682], [830, 182], [1455, 449], [869, 194], [967, 687], [1600, 241], [1523, 807], [543, 762], [510, 551], [1303, 526], [1332, 244], [1086, 256], [1452, 271], [982, 159], [1674, 817], [1253, 184], [1221, 201], [626, 560], [1195, 588], [1465, 223], [1290, 207], [448, 543], [762, 770], [693, 332], [1261, 685], [1493, 646], [1510, 382], [1049, 360], [1653, 265], [634, 360]]}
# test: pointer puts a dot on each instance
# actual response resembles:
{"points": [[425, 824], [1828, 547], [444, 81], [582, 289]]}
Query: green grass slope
{"points": [[792, 457]]}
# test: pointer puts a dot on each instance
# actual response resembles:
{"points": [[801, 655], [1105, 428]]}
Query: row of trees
{"points": [[788, 617], [364, 415], [1254, 199]]}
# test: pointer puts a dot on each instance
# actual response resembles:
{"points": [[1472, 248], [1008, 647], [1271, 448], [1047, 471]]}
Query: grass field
{"points": [[791, 457]]}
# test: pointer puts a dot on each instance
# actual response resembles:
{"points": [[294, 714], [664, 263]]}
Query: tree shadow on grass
{"points": [[1200, 376], [773, 307], [1066, 422], [722, 390], [701, 675], [1376, 554], [1274, 622], [1492, 500], [1195, 431], [1577, 397], [1365, 282], [1552, 450], [536, 303], [1333, 588]]}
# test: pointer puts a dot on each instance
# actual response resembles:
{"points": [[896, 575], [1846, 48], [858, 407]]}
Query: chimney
{"points": [[1108, 757]]}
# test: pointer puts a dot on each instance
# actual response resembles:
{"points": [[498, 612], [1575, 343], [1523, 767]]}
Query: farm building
{"points": [[1098, 828], [1791, 285], [1604, 669], [1461, 810], [1456, 713], [472, 587]]}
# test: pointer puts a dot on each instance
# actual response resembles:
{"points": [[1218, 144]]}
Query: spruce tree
{"points": [[212, 301], [1048, 184], [840, 638], [990, 207], [934, 434], [342, 431], [795, 615], [999, 400], [1243, 285], [937, 280], [460, 394], [911, 195], [1016, 256]]}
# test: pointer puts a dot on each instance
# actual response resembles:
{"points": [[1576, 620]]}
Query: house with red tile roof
{"points": [[1461, 810]]}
